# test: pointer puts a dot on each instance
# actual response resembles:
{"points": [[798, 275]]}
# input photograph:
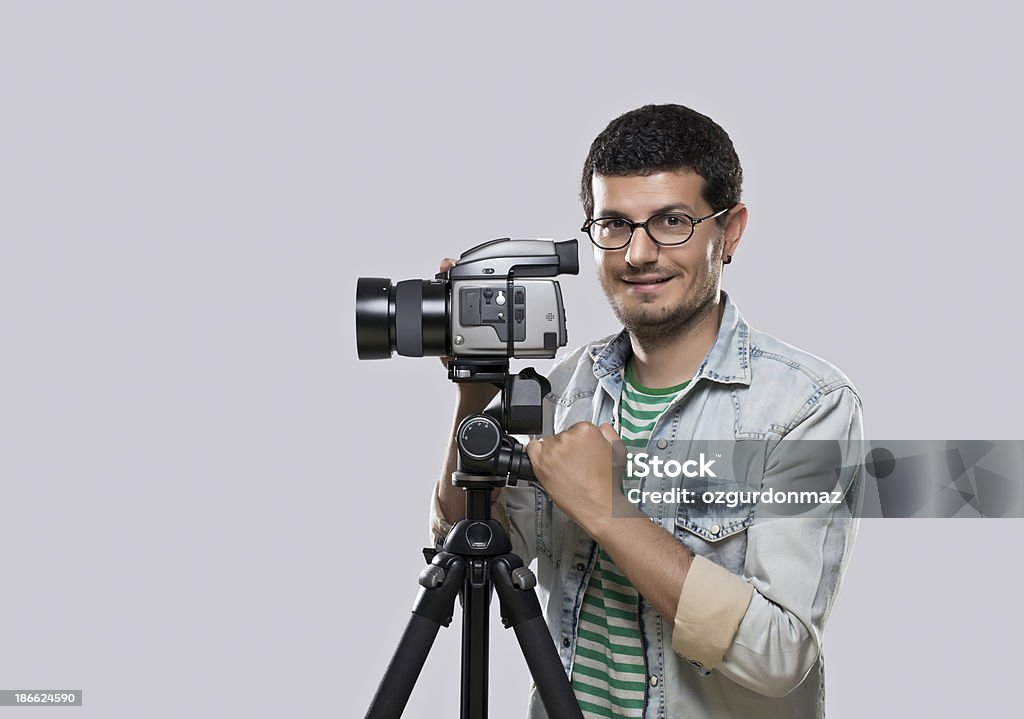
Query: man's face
{"points": [[657, 291]]}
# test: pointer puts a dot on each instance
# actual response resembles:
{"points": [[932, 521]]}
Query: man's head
{"points": [[655, 160]]}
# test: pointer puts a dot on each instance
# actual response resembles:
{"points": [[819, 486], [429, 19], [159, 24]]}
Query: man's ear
{"points": [[732, 233]]}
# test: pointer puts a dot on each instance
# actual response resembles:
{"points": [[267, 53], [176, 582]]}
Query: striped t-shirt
{"points": [[609, 674]]}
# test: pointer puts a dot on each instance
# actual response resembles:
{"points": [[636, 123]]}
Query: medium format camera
{"points": [[493, 303]]}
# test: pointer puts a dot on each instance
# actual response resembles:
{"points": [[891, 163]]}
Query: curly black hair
{"points": [[666, 138]]}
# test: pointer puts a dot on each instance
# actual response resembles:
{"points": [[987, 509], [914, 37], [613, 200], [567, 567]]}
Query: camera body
{"points": [[495, 302], [481, 310]]}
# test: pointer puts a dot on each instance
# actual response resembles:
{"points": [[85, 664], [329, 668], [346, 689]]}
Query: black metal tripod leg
{"points": [[434, 608], [520, 610], [476, 598]]}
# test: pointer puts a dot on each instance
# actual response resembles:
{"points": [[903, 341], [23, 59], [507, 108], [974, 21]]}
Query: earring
{"points": [[727, 260]]}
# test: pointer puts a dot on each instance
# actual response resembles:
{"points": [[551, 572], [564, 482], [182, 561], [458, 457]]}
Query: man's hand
{"points": [[575, 469]]}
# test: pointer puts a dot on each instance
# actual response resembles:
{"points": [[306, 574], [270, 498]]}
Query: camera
{"points": [[495, 302]]}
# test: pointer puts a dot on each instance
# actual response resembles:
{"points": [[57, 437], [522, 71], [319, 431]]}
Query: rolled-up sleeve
{"points": [[711, 606], [766, 634]]}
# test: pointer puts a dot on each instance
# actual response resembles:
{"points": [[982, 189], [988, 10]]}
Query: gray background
{"points": [[209, 507]]}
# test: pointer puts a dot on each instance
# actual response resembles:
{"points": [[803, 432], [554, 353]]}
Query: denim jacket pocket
{"points": [[718, 504], [714, 527], [718, 533]]}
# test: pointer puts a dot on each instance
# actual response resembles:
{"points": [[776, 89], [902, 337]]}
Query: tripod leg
{"points": [[520, 610], [476, 598], [435, 604]]}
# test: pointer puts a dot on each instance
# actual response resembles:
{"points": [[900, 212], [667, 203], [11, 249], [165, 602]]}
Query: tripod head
{"points": [[489, 457]]}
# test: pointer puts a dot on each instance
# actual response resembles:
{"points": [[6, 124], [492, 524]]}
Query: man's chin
{"points": [[646, 316]]}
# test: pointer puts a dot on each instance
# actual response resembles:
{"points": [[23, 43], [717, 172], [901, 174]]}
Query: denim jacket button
{"points": [[715, 529], [580, 567], [662, 443], [654, 681], [566, 641]]}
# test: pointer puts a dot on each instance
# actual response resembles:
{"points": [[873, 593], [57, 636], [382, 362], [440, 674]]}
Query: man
{"points": [[684, 610]]}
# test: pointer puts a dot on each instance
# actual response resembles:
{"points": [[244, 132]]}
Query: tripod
{"points": [[477, 558]]}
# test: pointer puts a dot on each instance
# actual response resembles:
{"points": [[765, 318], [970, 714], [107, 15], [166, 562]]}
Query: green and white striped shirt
{"points": [[609, 673]]}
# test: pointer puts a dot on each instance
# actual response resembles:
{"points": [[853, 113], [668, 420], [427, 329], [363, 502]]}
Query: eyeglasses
{"points": [[667, 229]]}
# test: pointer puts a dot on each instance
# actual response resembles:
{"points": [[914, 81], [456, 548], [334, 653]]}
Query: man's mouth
{"points": [[646, 282]]}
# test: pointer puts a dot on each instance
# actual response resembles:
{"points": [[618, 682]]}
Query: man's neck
{"points": [[666, 364]]}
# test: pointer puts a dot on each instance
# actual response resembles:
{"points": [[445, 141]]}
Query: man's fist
{"points": [[575, 468]]}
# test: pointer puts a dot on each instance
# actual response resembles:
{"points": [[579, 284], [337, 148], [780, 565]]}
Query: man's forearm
{"points": [[704, 602], [452, 499], [652, 559]]}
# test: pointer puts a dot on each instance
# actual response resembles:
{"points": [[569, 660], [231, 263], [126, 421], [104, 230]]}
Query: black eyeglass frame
{"points": [[694, 221]]}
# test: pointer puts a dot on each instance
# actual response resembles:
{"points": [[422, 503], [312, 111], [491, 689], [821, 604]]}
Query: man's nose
{"points": [[641, 250]]}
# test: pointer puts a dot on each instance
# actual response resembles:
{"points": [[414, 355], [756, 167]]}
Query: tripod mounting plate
{"points": [[478, 370]]}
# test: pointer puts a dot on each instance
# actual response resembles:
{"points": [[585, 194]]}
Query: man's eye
{"points": [[672, 220]]}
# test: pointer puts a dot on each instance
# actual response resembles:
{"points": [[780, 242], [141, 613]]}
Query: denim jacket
{"points": [[746, 638]]}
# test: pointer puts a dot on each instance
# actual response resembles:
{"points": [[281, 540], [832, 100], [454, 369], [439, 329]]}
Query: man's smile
{"points": [[647, 282]]}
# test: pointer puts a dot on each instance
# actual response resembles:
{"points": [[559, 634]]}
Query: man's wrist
{"points": [[622, 516]]}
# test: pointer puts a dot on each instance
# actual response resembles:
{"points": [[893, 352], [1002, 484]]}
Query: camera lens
{"points": [[410, 318], [374, 317]]}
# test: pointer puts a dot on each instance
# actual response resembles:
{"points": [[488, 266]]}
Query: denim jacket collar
{"points": [[728, 360]]}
